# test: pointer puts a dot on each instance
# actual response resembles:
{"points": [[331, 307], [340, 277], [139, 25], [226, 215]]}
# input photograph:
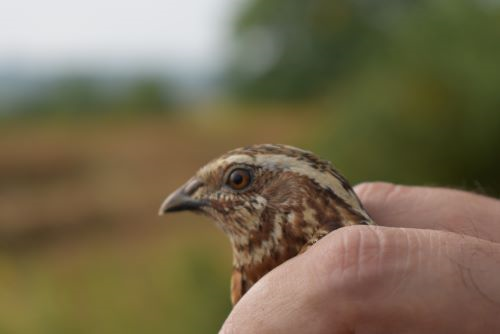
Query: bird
{"points": [[273, 201]]}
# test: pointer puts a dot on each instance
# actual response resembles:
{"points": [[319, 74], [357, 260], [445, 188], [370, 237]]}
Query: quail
{"points": [[272, 201]]}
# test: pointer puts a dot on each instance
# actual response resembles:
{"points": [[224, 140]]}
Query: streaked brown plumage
{"points": [[272, 201]]}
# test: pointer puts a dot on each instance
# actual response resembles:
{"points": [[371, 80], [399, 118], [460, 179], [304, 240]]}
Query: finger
{"points": [[432, 208], [378, 280]]}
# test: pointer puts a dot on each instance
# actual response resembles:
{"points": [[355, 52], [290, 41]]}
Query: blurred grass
{"points": [[81, 247]]}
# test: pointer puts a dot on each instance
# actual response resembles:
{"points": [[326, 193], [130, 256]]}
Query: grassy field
{"points": [[82, 249]]}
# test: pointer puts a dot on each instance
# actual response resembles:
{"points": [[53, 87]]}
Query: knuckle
{"points": [[360, 251], [367, 190], [361, 259], [379, 196]]}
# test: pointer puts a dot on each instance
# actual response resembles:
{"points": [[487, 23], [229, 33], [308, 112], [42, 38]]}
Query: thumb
{"points": [[363, 279]]}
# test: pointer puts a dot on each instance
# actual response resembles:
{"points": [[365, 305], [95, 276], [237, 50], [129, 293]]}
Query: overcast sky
{"points": [[62, 33]]}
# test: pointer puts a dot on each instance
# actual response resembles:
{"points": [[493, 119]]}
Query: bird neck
{"points": [[273, 242], [281, 234]]}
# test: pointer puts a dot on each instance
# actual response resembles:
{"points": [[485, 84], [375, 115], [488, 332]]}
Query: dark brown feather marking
{"points": [[283, 212]]}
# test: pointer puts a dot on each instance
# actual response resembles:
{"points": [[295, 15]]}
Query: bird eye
{"points": [[238, 179]]}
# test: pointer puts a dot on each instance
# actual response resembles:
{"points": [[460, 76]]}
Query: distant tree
{"points": [[93, 94], [425, 108], [148, 94], [295, 49], [412, 87], [75, 94]]}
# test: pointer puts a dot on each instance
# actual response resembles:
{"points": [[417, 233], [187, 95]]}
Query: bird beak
{"points": [[181, 200]]}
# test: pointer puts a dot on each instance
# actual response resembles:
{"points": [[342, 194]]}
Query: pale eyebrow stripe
{"points": [[270, 161]]}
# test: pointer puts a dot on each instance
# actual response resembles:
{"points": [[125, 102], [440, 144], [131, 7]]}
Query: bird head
{"points": [[270, 200]]}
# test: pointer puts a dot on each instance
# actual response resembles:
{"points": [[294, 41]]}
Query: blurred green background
{"points": [[98, 126]]}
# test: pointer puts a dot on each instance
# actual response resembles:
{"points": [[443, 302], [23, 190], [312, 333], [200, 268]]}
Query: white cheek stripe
{"points": [[273, 161]]}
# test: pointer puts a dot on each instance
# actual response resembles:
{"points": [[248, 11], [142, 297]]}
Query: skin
{"points": [[432, 266]]}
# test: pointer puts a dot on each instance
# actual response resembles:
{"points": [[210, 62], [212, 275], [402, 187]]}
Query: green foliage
{"points": [[180, 286], [72, 95], [412, 88], [148, 94], [426, 110], [294, 49]]}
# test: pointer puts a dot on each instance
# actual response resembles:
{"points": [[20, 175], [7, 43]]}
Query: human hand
{"points": [[433, 265]]}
